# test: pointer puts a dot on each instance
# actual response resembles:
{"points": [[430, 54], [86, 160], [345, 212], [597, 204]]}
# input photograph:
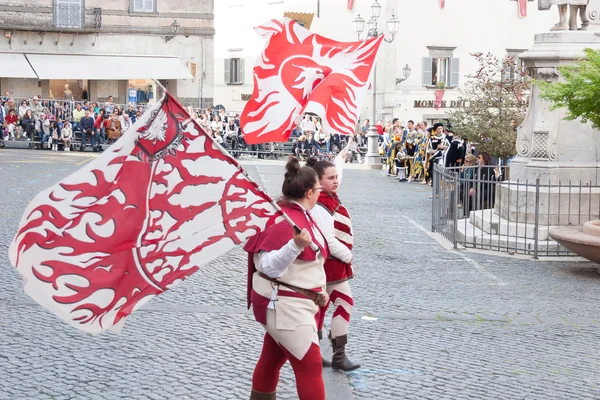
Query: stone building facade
{"points": [[109, 48]]}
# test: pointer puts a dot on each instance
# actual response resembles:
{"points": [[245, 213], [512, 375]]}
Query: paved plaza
{"points": [[429, 322]]}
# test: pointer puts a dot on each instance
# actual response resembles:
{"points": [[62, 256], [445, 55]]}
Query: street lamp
{"points": [[175, 27], [359, 25], [174, 30], [376, 9], [393, 24], [406, 72]]}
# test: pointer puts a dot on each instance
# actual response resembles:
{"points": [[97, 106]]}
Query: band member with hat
{"points": [[436, 146]]}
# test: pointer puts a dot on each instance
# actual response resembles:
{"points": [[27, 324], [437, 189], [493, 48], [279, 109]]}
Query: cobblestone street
{"points": [[429, 322]]}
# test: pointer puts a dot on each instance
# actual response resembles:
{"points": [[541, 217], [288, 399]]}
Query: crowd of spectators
{"points": [[56, 124]]}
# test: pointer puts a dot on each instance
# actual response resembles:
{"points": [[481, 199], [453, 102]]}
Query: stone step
{"points": [[490, 222], [471, 234]]}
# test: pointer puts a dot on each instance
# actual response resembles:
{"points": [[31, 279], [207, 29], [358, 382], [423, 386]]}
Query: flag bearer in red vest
{"points": [[287, 289], [334, 221]]}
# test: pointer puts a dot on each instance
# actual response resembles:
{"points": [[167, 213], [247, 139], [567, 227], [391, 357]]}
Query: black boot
{"points": [[326, 363], [340, 362], [262, 396]]}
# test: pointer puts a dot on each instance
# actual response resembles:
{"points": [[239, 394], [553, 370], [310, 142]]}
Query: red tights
{"points": [[308, 371]]}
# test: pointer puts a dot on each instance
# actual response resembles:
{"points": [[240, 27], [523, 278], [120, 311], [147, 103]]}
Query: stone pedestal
{"points": [[373, 158], [555, 178], [550, 148]]}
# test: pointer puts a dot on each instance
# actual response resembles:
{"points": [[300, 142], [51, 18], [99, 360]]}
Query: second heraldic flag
{"points": [[299, 72]]}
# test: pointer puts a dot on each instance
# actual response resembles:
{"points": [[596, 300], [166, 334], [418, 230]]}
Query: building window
{"points": [[516, 66], [143, 6], [69, 14], [234, 71], [441, 68]]}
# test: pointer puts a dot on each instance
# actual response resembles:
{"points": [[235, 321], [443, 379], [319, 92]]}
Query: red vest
{"points": [[276, 235], [335, 269]]}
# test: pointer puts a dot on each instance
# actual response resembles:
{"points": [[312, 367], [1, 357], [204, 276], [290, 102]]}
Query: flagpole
{"points": [[313, 246]]}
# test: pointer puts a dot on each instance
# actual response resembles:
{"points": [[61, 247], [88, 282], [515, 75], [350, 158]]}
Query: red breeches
{"points": [[308, 371]]}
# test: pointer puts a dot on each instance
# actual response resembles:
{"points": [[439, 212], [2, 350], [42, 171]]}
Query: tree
{"points": [[495, 100], [580, 90]]}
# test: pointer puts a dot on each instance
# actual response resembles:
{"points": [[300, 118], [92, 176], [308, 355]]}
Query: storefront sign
{"points": [[132, 98], [445, 104]]}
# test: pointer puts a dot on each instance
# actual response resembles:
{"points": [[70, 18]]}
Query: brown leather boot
{"points": [[339, 361], [326, 363], [262, 396]]}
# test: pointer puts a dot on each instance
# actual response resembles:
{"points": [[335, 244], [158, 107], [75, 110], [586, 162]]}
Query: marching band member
{"points": [[287, 287], [335, 223], [436, 146]]}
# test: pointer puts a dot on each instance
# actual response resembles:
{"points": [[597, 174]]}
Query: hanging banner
{"points": [[522, 8]]}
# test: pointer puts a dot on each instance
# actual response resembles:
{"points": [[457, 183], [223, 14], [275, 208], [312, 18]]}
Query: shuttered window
{"points": [[516, 66], [68, 13], [441, 68], [147, 6], [234, 71]]}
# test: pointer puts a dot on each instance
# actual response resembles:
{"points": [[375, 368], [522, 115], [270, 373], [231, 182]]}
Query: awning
{"points": [[62, 66], [14, 65]]}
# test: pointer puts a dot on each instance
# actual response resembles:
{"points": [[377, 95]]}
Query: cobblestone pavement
{"points": [[429, 323]]}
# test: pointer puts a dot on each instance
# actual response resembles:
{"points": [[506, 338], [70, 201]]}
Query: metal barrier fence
{"points": [[476, 208]]}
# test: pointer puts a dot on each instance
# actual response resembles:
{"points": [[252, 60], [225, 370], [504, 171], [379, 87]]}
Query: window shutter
{"points": [[454, 71], [240, 70], [148, 5], [427, 71], [138, 5], [227, 74]]}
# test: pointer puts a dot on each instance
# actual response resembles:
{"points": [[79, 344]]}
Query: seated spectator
{"points": [[314, 148], [353, 150], [37, 108], [88, 131], [333, 143], [10, 103], [42, 126], [231, 134], [125, 122], [301, 149], [109, 106], [55, 135], [23, 108], [112, 127], [10, 123], [379, 127], [131, 112], [78, 113], [217, 136], [28, 124], [66, 136]]}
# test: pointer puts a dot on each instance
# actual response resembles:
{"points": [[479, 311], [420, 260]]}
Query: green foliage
{"points": [[496, 99], [579, 91]]}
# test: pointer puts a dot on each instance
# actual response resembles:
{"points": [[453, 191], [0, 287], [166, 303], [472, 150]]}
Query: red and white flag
{"points": [[300, 72], [522, 8], [158, 204], [442, 4]]}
